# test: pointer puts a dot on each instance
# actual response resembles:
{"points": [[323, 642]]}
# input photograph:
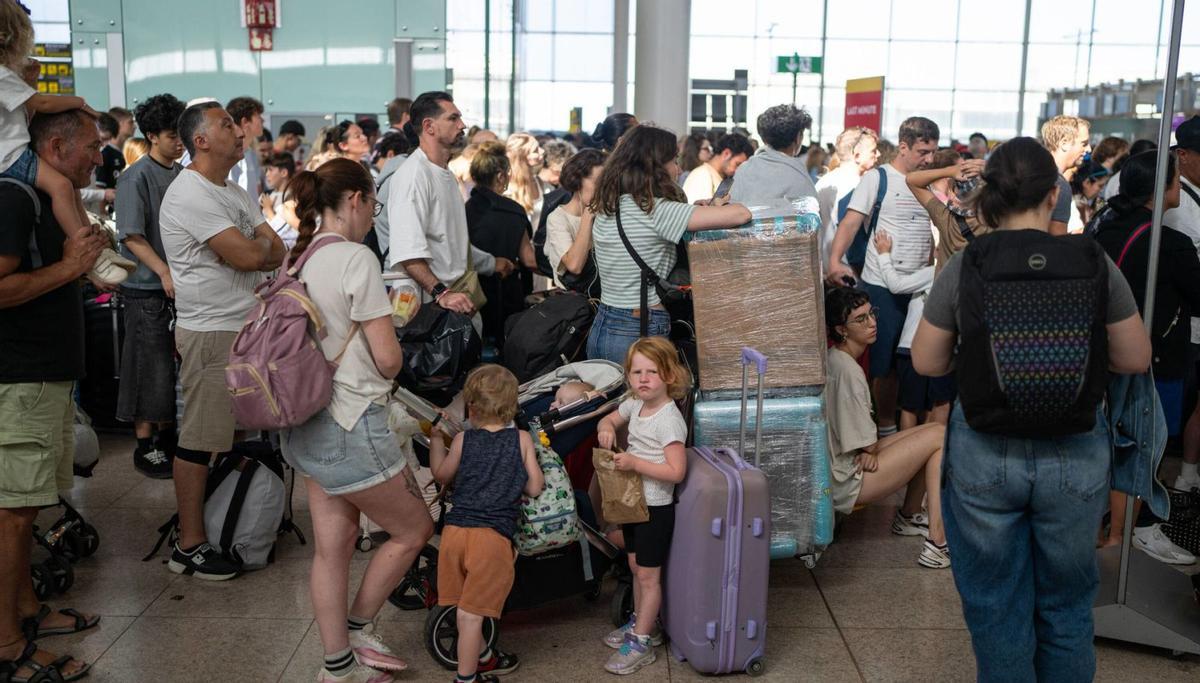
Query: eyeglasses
{"points": [[862, 319], [378, 210]]}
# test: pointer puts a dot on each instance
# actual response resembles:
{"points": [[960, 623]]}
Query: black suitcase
{"points": [[104, 333]]}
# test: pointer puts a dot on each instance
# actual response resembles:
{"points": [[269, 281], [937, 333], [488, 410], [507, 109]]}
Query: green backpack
{"points": [[550, 520]]}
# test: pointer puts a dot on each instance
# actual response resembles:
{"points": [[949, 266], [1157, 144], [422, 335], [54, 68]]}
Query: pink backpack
{"points": [[277, 373]]}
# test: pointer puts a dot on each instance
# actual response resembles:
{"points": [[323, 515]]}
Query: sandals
{"points": [[32, 626], [42, 673]]}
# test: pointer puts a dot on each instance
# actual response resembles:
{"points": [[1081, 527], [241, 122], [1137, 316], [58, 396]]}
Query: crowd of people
{"points": [[209, 204]]}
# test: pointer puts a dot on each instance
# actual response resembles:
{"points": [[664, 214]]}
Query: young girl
{"points": [[657, 432], [19, 102], [490, 466]]}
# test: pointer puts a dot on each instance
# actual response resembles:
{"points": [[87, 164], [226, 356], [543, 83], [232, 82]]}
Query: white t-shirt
{"points": [[902, 216], [701, 184], [648, 436], [210, 295], [279, 223], [427, 219], [561, 229], [1186, 219], [1113, 186], [345, 284], [831, 189], [14, 124]]}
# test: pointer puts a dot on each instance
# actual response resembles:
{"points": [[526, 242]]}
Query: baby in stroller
{"points": [[561, 410]]}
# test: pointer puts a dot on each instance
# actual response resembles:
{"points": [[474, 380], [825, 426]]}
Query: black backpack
{"points": [[554, 332], [1033, 349]]}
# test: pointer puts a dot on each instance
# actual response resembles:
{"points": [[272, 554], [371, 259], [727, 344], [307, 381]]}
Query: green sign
{"points": [[795, 64]]}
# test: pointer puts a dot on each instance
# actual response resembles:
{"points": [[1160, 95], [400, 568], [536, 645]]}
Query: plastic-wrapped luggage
{"points": [[794, 457], [715, 606]]}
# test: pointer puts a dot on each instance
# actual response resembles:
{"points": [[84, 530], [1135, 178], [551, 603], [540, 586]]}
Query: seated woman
{"points": [[866, 470], [569, 227], [499, 226]]}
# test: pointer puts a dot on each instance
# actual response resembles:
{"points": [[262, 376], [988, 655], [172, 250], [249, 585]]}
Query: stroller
{"points": [[575, 569]]}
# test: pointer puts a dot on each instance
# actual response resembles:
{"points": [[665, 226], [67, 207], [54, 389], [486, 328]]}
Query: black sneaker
{"points": [[153, 463], [203, 562], [499, 663]]}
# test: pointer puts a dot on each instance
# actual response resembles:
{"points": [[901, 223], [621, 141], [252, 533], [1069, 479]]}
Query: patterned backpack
{"points": [[1033, 349], [550, 520]]}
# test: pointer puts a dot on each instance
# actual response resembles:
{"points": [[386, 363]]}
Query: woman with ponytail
{"points": [[1021, 511], [350, 460]]}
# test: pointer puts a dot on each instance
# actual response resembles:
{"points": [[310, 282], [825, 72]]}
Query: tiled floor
{"points": [[867, 613]]}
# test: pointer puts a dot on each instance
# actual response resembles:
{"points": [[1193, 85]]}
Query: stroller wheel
{"points": [[441, 635], [622, 604], [63, 576], [71, 545], [418, 588], [43, 581], [365, 543], [90, 540], [593, 592]]}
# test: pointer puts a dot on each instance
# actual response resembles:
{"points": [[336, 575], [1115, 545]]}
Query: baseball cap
{"points": [[292, 126], [1187, 135]]}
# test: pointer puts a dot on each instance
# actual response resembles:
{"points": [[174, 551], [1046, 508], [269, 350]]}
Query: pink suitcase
{"points": [[715, 601]]}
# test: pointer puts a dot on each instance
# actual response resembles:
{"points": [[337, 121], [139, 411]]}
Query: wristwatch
{"points": [[438, 290]]}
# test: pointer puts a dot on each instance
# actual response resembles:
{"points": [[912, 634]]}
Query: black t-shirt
{"points": [[40, 340], [114, 163]]}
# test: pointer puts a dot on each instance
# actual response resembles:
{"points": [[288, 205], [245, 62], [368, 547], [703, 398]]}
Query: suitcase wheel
{"points": [[622, 603], [441, 635], [756, 667], [364, 544]]}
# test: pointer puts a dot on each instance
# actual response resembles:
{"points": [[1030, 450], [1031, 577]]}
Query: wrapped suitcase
{"points": [[715, 603], [792, 453]]}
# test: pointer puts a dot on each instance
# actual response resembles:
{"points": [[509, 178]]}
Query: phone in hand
{"points": [[724, 188]]}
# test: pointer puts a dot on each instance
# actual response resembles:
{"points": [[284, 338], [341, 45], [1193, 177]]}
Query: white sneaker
{"points": [[370, 650], [1183, 483], [917, 525], [111, 268], [933, 556], [359, 674], [1152, 541]]}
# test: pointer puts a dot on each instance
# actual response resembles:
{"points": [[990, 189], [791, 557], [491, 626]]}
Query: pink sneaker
{"points": [[370, 650]]}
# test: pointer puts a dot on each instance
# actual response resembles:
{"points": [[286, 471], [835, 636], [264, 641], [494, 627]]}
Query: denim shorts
{"points": [[147, 389], [616, 329], [25, 168], [343, 461]]}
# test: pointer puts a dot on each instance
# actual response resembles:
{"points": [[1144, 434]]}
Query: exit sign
{"points": [[795, 64]]}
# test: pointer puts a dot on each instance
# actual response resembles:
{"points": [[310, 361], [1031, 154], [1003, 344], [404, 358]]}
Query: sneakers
{"points": [[633, 654], [1152, 541], [934, 556], [360, 674], [370, 650], [917, 525], [203, 562], [616, 637], [1183, 483], [152, 463], [111, 268], [499, 663]]}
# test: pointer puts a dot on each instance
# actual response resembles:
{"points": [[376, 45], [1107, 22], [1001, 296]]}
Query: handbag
{"points": [[675, 292]]}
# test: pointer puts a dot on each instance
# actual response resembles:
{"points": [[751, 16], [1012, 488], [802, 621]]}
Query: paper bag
{"points": [[623, 500]]}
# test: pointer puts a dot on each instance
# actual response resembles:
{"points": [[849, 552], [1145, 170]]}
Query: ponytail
{"points": [[317, 190]]}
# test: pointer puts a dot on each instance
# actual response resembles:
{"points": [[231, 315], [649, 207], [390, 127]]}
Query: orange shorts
{"points": [[475, 569]]}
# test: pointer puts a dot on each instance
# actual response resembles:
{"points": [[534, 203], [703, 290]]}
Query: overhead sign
{"points": [[795, 64], [864, 103]]}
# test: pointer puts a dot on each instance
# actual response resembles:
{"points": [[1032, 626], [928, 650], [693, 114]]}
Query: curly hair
{"points": [[839, 303], [579, 167], [158, 113], [780, 126], [638, 167], [491, 394], [16, 35]]}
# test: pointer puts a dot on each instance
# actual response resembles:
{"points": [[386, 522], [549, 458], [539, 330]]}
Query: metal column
{"points": [[1024, 69], [1141, 600]]}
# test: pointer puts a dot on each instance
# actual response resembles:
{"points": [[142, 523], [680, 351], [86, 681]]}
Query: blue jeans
{"points": [[1021, 520], [616, 329]]}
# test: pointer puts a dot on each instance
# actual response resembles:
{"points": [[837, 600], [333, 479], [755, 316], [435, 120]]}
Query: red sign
{"points": [[864, 103], [260, 13]]}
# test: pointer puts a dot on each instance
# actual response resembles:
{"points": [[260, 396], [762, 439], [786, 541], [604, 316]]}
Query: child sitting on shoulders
{"points": [[657, 432], [490, 466]]}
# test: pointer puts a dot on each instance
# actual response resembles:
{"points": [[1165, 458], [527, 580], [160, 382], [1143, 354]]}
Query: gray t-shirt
{"points": [[941, 306], [210, 295], [901, 215], [1062, 210], [140, 192]]}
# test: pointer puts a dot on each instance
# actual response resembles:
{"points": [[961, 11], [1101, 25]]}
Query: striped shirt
{"points": [[653, 236], [902, 216]]}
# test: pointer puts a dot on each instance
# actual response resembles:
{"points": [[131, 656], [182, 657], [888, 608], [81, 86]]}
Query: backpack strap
{"points": [[315, 245], [963, 228], [35, 254], [1141, 229], [879, 195], [1190, 192], [235, 504]]}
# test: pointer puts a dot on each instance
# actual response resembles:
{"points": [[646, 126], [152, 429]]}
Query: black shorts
{"points": [[650, 540], [918, 393]]}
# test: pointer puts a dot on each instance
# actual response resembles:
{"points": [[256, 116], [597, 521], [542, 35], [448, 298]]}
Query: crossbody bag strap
{"points": [[649, 277], [1141, 229], [1191, 193], [963, 228]]}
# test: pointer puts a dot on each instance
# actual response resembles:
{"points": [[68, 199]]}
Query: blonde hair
{"points": [[849, 140], [662, 353], [489, 163], [16, 36], [134, 149], [522, 184], [491, 394], [1062, 129]]}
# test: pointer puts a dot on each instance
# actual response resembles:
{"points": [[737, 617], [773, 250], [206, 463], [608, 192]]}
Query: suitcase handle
{"points": [[749, 356]]}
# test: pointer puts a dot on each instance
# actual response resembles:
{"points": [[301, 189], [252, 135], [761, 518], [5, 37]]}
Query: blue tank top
{"points": [[488, 485]]}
